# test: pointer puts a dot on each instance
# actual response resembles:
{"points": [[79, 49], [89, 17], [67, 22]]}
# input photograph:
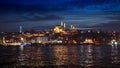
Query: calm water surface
{"points": [[60, 56]]}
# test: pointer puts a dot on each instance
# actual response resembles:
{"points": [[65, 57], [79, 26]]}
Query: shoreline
{"points": [[53, 44]]}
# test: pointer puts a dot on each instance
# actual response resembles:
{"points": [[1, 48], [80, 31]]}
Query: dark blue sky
{"points": [[42, 14], [64, 4]]}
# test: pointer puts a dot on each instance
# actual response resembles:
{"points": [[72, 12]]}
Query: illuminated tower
{"points": [[4, 40], [62, 23], [72, 27], [20, 29]]}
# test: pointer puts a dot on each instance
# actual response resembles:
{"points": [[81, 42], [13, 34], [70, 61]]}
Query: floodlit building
{"points": [[88, 41], [42, 40], [58, 29]]}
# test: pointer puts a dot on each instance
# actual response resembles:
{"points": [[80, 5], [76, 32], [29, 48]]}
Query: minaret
{"points": [[62, 23], [71, 26], [20, 29], [4, 40]]}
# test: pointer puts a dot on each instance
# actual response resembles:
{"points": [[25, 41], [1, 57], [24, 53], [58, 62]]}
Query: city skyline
{"points": [[59, 33]]}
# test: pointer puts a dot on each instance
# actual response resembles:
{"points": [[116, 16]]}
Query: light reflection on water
{"points": [[57, 55], [115, 54], [60, 54]]}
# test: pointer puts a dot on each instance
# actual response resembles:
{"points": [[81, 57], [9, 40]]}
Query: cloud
{"points": [[16, 19], [12, 19], [115, 17], [110, 26], [64, 4], [42, 27], [48, 17]]}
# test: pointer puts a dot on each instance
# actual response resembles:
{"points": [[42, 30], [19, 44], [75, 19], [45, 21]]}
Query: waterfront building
{"points": [[42, 40]]}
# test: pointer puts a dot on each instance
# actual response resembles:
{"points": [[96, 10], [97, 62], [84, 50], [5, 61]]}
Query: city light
{"points": [[61, 35], [114, 42], [88, 41], [58, 29]]}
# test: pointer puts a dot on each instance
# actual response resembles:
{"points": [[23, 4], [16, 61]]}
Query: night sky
{"points": [[44, 14]]}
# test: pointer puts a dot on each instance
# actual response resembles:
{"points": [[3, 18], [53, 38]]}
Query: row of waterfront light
{"points": [[60, 34]]}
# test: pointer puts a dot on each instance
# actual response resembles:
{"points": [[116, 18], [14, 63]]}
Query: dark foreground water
{"points": [[60, 56]]}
